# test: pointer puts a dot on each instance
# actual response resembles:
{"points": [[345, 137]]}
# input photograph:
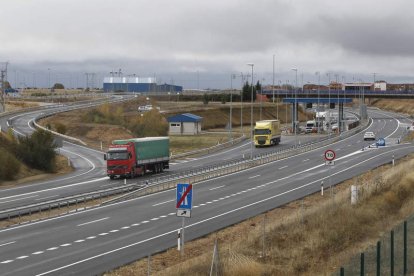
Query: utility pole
{"points": [[90, 80], [3, 78]]}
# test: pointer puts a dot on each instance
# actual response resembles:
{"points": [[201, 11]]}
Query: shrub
{"points": [[60, 128], [206, 98], [10, 165], [37, 150], [151, 123]]}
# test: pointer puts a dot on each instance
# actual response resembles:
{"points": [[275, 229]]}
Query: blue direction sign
{"points": [[184, 196], [381, 142]]}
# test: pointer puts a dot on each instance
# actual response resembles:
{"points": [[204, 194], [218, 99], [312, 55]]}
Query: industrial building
{"points": [[137, 84]]}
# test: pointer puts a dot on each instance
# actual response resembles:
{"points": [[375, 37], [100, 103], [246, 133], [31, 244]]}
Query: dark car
{"points": [[10, 90]]}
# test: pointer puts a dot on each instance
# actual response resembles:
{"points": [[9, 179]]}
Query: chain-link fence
{"points": [[392, 255]]}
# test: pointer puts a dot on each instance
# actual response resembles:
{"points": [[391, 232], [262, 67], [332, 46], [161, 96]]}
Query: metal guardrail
{"points": [[65, 202]]}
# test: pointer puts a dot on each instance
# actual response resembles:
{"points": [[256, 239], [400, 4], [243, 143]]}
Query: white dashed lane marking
{"points": [[38, 253]]}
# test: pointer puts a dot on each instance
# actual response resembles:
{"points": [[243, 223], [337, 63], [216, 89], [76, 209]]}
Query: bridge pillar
{"points": [[294, 118], [341, 122]]}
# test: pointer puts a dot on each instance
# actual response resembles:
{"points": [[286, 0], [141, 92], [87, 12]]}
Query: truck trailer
{"points": [[134, 157], [267, 133]]}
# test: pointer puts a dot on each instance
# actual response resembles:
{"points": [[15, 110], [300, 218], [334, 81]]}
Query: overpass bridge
{"points": [[330, 101], [283, 93]]}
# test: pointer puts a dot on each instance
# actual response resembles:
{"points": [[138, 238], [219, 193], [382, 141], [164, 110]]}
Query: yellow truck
{"points": [[267, 133]]}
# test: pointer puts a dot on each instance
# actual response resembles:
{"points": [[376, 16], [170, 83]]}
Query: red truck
{"points": [[133, 157]]}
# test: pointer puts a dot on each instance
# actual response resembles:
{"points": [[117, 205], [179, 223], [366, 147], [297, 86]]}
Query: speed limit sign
{"points": [[329, 155]]}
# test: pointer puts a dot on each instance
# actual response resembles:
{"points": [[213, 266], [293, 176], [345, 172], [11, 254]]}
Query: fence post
{"points": [[362, 264], [392, 253], [405, 247], [378, 258]]}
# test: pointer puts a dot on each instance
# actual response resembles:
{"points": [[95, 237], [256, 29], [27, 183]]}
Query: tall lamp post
{"points": [[295, 115], [48, 81], [273, 90], [273, 82], [317, 109], [232, 76], [251, 116], [339, 115], [241, 103]]}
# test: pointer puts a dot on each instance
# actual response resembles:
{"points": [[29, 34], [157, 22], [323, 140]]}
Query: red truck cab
{"points": [[121, 161]]}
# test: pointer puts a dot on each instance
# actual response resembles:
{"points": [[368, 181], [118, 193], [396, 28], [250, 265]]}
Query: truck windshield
{"points": [[117, 155], [262, 132]]}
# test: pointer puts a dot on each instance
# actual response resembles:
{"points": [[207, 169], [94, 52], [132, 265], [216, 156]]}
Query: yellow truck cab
{"points": [[267, 133]]}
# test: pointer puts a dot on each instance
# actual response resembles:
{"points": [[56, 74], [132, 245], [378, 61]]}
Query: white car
{"points": [[369, 135], [147, 107]]}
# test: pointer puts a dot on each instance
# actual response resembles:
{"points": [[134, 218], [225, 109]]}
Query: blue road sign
{"points": [[381, 142], [184, 196]]}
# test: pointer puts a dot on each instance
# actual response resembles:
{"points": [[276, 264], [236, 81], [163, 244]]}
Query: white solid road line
{"points": [[163, 202], [46, 197], [93, 221], [18, 199], [254, 176], [57, 188], [7, 243], [217, 187]]}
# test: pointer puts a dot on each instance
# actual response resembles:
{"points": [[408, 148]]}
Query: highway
{"points": [[99, 239], [90, 168]]}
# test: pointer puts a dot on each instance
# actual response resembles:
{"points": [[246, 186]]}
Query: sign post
{"points": [[329, 161], [184, 206]]}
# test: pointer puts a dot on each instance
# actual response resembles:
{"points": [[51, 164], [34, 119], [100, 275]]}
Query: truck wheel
{"points": [[111, 177]]}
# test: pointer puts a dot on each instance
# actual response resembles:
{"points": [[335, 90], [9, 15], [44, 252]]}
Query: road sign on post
{"points": [[184, 196], [184, 204], [330, 155]]}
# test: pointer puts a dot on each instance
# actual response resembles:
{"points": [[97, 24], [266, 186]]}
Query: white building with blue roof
{"points": [[185, 124]]}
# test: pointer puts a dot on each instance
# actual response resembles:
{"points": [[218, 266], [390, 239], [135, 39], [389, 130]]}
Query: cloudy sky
{"points": [[199, 44]]}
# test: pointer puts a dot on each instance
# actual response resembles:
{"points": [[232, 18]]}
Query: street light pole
{"points": [[48, 82], [232, 76], [339, 116], [317, 109], [296, 107], [251, 116], [273, 83], [241, 103], [261, 96]]}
